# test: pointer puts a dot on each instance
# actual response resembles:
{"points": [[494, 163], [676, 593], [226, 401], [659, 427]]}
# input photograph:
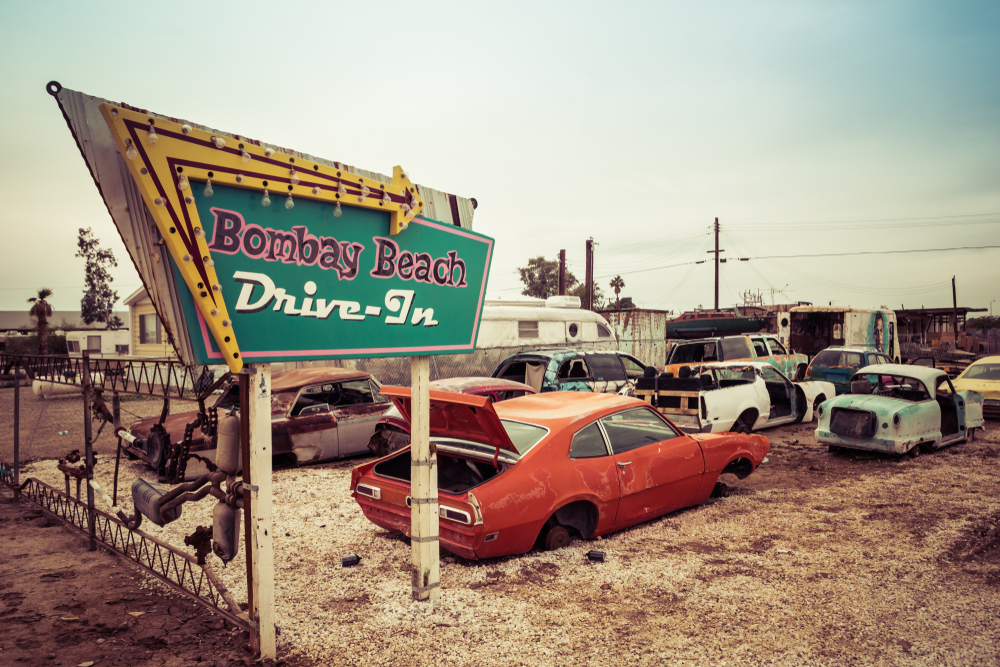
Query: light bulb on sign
{"points": [[215, 312], [153, 136], [365, 191], [341, 190], [208, 188], [182, 182], [130, 152], [189, 200], [265, 201], [246, 156], [268, 152], [386, 198], [199, 232], [208, 261], [239, 178], [219, 142], [187, 258], [185, 130], [337, 211], [289, 204], [159, 201], [216, 288], [294, 178], [317, 190]]}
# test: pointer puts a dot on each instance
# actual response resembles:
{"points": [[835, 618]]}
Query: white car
{"points": [[736, 396]]}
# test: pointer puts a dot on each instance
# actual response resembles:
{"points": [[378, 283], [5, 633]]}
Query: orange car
{"points": [[544, 468]]}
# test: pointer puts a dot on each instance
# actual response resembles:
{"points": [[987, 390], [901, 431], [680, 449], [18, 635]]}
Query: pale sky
{"points": [[806, 128]]}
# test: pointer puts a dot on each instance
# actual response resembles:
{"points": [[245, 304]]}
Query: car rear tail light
{"points": [[371, 491], [895, 419], [456, 515]]}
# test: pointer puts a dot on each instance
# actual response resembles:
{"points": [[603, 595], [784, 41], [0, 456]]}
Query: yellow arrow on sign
{"points": [[166, 158]]}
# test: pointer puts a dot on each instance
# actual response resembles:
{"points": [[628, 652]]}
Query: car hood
{"points": [[458, 416], [988, 388]]}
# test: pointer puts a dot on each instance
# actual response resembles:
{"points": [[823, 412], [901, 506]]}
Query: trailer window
{"points": [[93, 343], [603, 331], [526, 329]]}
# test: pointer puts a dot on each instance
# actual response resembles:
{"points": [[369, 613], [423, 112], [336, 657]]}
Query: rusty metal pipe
{"points": [[191, 497], [184, 488]]}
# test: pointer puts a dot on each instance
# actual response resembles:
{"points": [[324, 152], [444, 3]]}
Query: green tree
{"points": [[41, 311], [99, 299], [617, 284], [541, 278]]}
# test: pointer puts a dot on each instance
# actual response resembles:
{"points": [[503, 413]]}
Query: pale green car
{"points": [[900, 409]]}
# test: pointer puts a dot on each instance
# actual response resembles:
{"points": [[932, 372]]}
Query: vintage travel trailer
{"points": [[811, 329], [558, 320]]}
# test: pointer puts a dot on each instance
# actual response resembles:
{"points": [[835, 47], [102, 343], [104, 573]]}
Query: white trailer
{"points": [[100, 343], [811, 329]]}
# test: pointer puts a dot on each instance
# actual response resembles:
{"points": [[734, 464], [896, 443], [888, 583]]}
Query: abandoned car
{"points": [[541, 469], [983, 376], [737, 396], [734, 348], [900, 409], [393, 432], [316, 414], [566, 369], [838, 364]]}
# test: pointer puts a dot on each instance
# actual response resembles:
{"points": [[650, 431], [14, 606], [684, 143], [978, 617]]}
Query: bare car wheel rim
{"points": [[556, 538]]}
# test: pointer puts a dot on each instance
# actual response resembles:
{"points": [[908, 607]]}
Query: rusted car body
{"points": [[900, 409], [542, 468], [983, 376], [734, 348], [567, 369], [393, 432], [317, 414]]}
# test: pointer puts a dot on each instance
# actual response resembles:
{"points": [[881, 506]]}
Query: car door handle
{"points": [[622, 464]]}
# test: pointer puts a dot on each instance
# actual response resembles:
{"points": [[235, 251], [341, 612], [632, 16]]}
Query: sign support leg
{"points": [[262, 547], [88, 449], [423, 488]]}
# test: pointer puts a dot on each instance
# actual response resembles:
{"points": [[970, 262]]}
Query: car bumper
{"points": [[991, 408], [460, 540], [874, 444]]}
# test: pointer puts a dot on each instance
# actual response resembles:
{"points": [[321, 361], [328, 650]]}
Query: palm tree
{"points": [[617, 283], [42, 311]]}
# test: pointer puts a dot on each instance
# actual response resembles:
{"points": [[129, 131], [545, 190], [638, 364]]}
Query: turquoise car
{"points": [[900, 409]]}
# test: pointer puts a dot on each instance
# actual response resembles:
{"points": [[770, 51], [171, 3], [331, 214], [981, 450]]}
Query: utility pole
{"points": [[716, 251], [954, 311], [562, 273], [589, 293]]}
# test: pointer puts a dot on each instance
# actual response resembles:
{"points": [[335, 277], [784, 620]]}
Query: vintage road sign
{"points": [[279, 259], [302, 284]]}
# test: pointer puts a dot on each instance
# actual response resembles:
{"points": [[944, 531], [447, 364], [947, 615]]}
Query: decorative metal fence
{"points": [[175, 568]]}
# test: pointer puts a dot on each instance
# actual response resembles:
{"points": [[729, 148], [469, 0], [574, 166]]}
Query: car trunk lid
{"points": [[457, 416]]}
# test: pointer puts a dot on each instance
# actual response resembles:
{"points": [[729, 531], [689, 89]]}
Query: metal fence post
{"points": [[17, 433], [88, 449]]}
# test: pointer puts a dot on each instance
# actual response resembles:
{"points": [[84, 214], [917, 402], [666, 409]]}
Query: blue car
{"points": [[566, 369], [900, 409], [837, 364]]}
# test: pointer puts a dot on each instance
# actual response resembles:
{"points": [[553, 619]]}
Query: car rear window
{"points": [[735, 348], [606, 368], [524, 436], [588, 443]]}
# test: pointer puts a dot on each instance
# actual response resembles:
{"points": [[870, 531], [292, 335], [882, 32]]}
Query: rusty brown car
{"points": [[317, 414]]}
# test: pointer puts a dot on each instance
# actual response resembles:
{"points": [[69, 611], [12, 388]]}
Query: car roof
{"points": [[564, 351], [301, 377], [995, 359], [922, 373], [471, 385], [559, 410], [842, 348]]}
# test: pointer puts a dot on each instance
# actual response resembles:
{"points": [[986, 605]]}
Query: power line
{"points": [[878, 252]]}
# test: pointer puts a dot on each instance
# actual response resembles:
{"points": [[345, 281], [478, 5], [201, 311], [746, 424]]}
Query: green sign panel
{"points": [[304, 284]]}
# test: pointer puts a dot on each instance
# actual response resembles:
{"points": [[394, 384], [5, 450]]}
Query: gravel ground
{"points": [[822, 559]]}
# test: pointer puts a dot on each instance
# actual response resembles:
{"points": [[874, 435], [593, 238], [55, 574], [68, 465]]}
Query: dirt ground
{"points": [[816, 558]]}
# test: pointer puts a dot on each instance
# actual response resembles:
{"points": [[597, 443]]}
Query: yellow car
{"points": [[983, 376]]}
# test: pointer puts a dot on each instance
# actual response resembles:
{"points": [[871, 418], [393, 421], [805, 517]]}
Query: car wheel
{"points": [[915, 452], [556, 538], [156, 446], [720, 490], [832, 448], [818, 402]]}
